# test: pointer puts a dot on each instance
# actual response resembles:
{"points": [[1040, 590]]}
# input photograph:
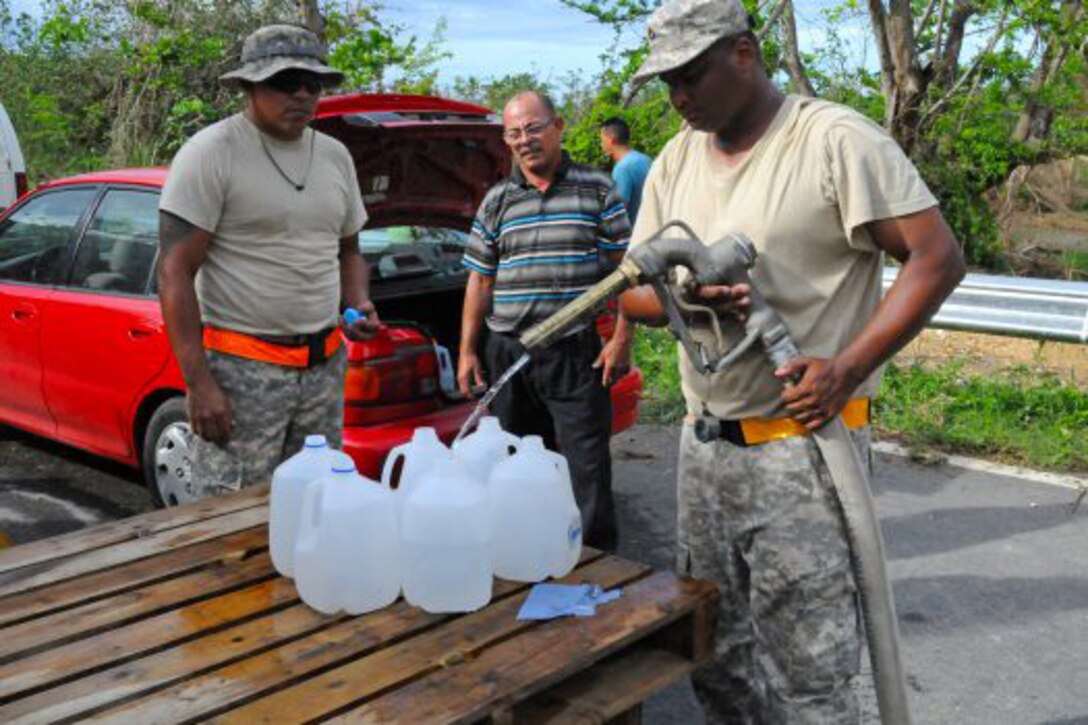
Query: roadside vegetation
{"points": [[989, 97], [978, 92], [1014, 415]]}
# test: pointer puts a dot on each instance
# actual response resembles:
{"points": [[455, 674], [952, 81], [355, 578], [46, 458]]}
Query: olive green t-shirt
{"points": [[803, 195], [273, 266]]}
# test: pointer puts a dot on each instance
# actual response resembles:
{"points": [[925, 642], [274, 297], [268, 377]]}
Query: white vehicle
{"points": [[13, 183]]}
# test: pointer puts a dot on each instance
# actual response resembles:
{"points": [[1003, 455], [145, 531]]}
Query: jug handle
{"points": [[311, 511], [398, 453], [513, 446]]}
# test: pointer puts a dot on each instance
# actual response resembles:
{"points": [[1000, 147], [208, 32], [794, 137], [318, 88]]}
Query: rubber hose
{"points": [[870, 573]]}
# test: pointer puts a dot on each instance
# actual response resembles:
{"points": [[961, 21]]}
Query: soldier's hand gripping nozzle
{"points": [[652, 263], [726, 262]]}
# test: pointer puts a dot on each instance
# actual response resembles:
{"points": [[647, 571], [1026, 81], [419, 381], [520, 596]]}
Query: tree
{"points": [[93, 84], [971, 89]]}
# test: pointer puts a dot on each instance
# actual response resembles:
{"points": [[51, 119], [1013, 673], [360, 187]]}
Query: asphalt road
{"points": [[990, 572]]}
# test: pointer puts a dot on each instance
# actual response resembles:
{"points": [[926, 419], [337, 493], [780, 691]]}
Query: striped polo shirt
{"points": [[544, 248]]}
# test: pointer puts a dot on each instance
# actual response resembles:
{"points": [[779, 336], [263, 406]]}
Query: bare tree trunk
{"points": [[794, 66], [1034, 123], [309, 16], [902, 79], [879, 19], [949, 56]]}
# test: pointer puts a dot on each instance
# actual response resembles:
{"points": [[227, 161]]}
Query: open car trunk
{"points": [[423, 171]]}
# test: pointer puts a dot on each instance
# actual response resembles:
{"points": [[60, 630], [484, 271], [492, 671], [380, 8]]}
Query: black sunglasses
{"points": [[289, 81]]}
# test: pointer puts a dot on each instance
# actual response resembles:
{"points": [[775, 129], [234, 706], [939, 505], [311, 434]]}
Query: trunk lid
{"points": [[420, 160]]}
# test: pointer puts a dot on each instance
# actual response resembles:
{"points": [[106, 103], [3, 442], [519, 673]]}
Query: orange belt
{"points": [[761, 430], [251, 347]]}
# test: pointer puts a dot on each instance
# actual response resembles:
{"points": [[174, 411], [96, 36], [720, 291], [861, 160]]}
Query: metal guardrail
{"points": [[1042, 309]]}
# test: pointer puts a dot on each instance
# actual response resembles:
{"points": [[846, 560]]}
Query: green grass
{"points": [[1017, 415]]}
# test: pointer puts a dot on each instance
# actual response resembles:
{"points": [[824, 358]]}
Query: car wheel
{"points": [[166, 459]]}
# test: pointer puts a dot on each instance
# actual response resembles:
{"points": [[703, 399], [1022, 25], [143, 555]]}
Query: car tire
{"points": [[166, 455]]}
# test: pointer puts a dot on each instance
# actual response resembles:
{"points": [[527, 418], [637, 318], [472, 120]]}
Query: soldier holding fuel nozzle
{"points": [[824, 194]]}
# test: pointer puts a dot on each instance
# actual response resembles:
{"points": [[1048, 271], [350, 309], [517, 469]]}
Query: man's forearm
{"points": [[354, 276], [181, 313], [478, 299], [924, 282], [625, 329], [642, 305]]}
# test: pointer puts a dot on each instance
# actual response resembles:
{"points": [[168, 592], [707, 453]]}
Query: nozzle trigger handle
{"points": [[352, 315]]}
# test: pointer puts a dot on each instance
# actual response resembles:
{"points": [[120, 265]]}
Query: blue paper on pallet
{"points": [[548, 601]]}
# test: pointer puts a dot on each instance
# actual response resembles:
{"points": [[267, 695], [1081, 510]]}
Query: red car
{"points": [[84, 358]]}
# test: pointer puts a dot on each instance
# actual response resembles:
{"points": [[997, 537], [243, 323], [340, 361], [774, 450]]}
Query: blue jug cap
{"points": [[342, 463]]}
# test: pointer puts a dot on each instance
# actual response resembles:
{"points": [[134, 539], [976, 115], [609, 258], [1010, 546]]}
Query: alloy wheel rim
{"points": [[173, 465]]}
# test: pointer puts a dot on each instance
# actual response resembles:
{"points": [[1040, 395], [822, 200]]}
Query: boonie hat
{"points": [[275, 48], [680, 30]]}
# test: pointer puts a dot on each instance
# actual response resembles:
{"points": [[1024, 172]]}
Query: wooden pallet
{"points": [[178, 616]]}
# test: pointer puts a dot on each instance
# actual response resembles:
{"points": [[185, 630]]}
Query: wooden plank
{"points": [[134, 527], [610, 689], [50, 599], [110, 612], [144, 637], [80, 698], [331, 639], [446, 646], [519, 667], [366, 654], [50, 572], [631, 717]]}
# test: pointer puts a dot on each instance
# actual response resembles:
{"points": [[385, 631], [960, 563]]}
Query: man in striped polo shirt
{"points": [[541, 238]]}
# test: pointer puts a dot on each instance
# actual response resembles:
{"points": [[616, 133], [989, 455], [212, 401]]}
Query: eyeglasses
{"points": [[533, 130], [289, 81]]}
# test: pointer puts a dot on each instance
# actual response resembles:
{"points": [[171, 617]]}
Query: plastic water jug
{"points": [[535, 523], [348, 553], [479, 451], [446, 539], [407, 463], [447, 377], [289, 482]]}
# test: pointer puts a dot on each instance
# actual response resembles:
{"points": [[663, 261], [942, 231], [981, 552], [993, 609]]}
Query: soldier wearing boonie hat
{"points": [[680, 31], [823, 192], [275, 48], [268, 211]]}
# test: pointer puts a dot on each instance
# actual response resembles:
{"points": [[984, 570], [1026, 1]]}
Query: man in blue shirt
{"points": [[631, 167]]}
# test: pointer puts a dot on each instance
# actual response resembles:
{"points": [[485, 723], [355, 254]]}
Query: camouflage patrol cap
{"points": [[274, 48], [680, 30]]}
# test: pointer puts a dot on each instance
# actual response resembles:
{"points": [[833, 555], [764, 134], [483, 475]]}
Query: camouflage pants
{"points": [[275, 408], [764, 522]]}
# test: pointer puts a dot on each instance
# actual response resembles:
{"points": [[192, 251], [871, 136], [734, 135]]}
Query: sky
{"points": [[490, 38]]}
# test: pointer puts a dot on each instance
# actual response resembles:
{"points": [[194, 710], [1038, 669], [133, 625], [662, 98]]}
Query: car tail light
{"points": [[606, 321], [390, 378], [22, 186]]}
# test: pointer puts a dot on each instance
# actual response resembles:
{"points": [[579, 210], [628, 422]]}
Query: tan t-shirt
{"points": [[802, 195], [273, 266]]}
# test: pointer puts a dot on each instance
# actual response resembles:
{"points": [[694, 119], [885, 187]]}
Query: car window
{"points": [[118, 248], [405, 252], [34, 239], [439, 240]]}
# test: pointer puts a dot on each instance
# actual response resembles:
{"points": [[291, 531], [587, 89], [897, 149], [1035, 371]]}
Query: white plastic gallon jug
{"points": [[479, 451], [407, 463], [289, 482], [348, 552], [535, 523], [446, 539]]}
